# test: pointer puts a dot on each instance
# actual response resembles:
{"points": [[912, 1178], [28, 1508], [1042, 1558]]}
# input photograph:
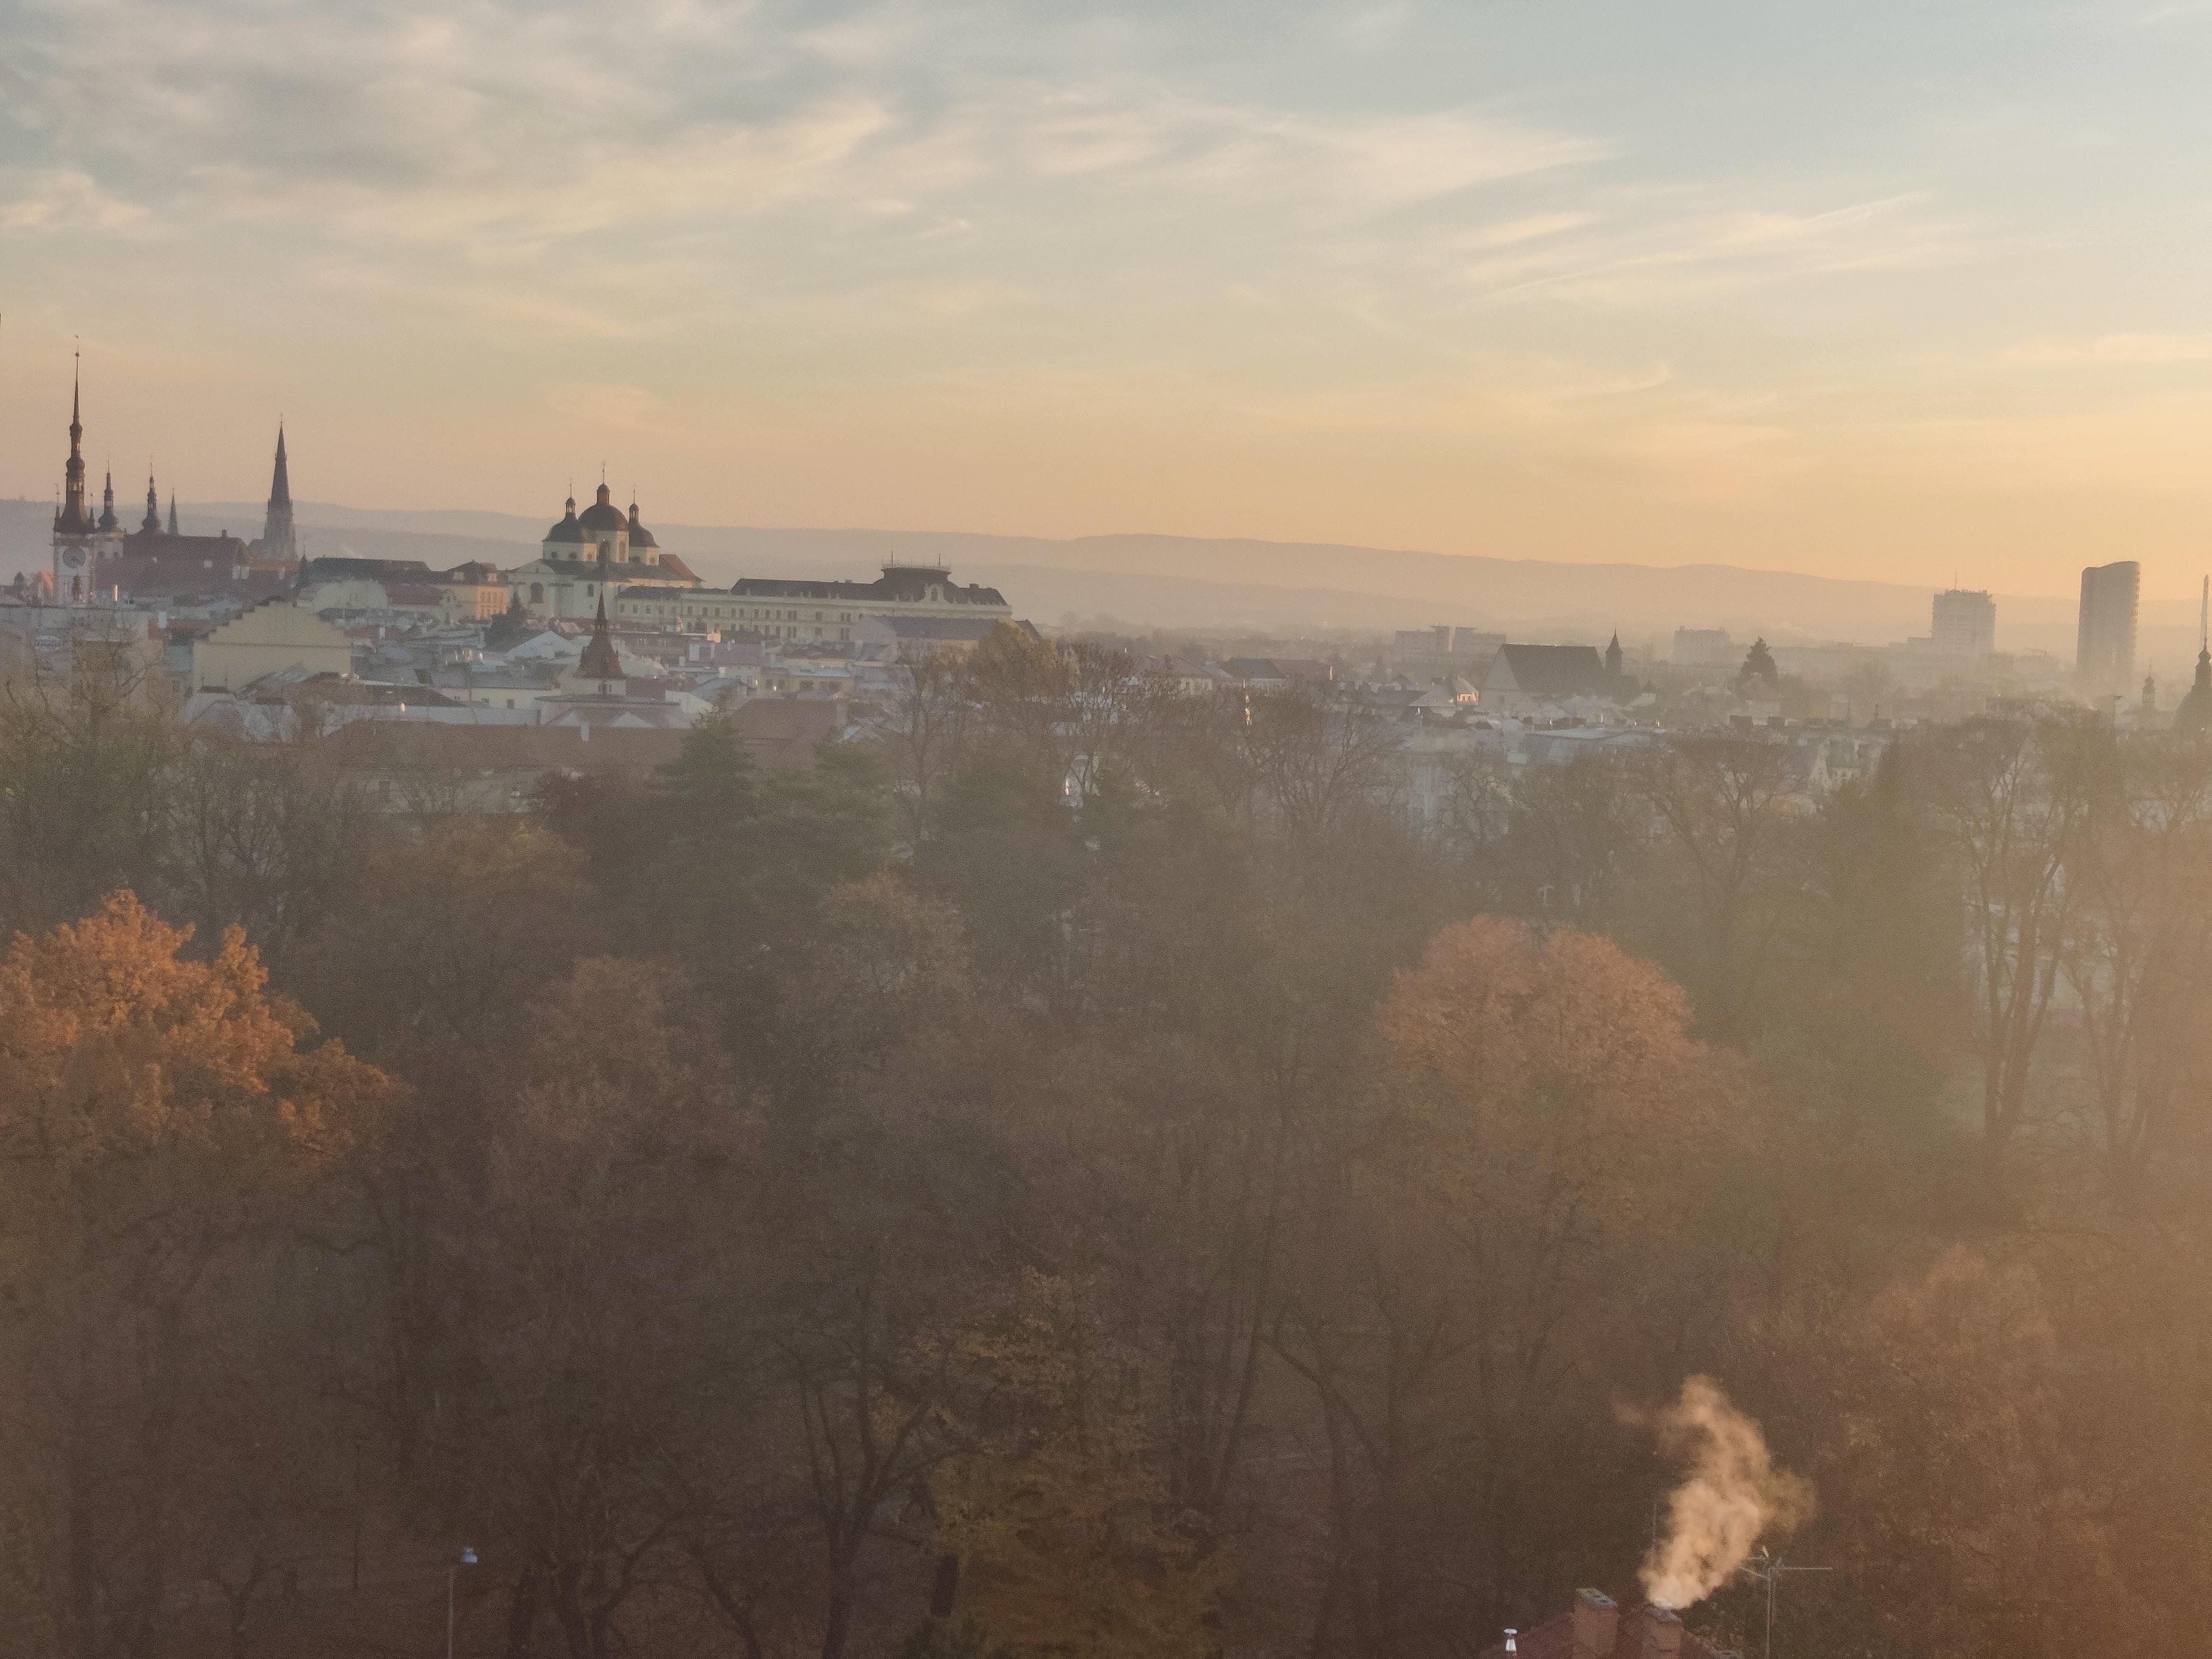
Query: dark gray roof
{"points": [[1253, 668], [372, 570], [1556, 671], [602, 514], [938, 627]]}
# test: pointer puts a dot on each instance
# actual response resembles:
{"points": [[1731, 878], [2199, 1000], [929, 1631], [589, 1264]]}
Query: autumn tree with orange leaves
{"points": [[164, 1124], [1480, 1246]]}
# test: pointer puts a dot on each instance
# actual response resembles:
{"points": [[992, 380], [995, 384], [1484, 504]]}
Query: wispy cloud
{"points": [[1697, 252], [62, 200], [1423, 232], [2111, 349]]}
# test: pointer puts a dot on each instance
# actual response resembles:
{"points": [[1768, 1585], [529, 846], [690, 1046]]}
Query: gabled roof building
{"points": [[1521, 677]]}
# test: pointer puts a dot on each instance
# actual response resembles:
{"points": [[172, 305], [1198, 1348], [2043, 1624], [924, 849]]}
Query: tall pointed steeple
{"points": [[172, 509], [2194, 714], [600, 662], [73, 519], [151, 524], [279, 540], [107, 503]]}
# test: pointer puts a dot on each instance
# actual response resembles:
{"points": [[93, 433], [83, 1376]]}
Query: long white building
{"points": [[794, 608]]}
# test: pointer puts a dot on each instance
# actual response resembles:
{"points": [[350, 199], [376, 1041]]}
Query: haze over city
{"points": [[1894, 292], [1105, 831]]}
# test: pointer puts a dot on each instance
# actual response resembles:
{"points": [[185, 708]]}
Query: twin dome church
{"points": [[589, 553]]}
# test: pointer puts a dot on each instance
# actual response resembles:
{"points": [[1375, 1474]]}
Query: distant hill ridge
{"points": [[1189, 581]]}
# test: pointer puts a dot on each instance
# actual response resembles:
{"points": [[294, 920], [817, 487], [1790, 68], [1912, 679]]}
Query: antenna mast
{"points": [[1769, 1572]]}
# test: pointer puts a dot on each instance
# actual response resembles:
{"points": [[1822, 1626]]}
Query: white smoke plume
{"points": [[1733, 1495]]}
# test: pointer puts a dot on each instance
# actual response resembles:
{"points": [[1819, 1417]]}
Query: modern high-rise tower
{"points": [[2104, 646], [1965, 624]]}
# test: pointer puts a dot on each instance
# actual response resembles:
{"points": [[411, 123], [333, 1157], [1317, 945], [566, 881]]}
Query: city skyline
{"points": [[1395, 277]]}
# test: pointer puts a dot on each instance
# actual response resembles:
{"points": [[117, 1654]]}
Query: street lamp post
{"points": [[468, 1560]]}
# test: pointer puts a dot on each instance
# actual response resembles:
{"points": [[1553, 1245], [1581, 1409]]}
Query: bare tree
{"points": [[1722, 804], [1317, 758], [2009, 806], [2138, 947]]}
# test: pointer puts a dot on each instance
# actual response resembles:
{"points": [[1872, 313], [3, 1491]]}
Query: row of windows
{"points": [[715, 613], [734, 613]]}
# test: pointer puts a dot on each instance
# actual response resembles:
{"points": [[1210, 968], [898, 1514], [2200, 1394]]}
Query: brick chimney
{"points": [[1597, 1625], [1661, 1634]]}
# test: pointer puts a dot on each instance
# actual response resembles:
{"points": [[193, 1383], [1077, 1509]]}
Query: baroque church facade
{"points": [[92, 554], [587, 553]]}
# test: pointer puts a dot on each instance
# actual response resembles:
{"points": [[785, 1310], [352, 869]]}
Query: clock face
{"points": [[72, 556]]}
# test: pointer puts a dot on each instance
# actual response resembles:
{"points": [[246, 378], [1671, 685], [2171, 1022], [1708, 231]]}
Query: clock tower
{"points": [[81, 539]]}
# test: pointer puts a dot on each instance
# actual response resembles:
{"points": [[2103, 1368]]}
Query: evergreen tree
{"points": [[1758, 668]]}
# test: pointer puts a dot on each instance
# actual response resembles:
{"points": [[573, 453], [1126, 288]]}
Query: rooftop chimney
{"points": [[1597, 1625], [1662, 1635]]}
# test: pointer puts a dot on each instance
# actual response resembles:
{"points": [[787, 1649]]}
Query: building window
{"points": [[537, 592]]}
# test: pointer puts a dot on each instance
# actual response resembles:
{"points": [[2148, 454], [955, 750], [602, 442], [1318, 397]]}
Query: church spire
{"points": [[2194, 716], [73, 519], [278, 539], [152, 523], [600, 661], [2202, 691], [107, 502], [172, 509]]}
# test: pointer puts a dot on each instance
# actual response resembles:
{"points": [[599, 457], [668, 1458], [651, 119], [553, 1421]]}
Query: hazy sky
{"points": [[1899, 289]]}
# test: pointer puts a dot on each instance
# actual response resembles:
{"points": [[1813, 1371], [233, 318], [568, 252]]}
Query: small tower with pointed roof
{"points": [[600, 669], [642, 543], [1613, 656]]}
